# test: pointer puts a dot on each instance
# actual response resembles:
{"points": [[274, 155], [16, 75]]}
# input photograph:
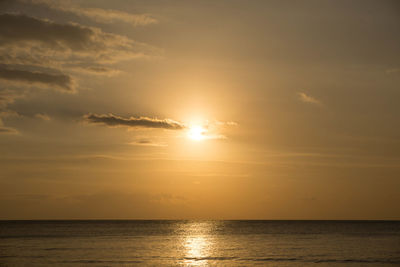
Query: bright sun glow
{"points": [[197, 133]]}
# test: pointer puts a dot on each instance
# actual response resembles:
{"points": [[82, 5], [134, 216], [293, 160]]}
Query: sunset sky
{"points": [[227, 109]]}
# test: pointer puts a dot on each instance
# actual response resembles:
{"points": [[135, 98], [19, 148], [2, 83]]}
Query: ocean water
{"points": [[199, 243]]}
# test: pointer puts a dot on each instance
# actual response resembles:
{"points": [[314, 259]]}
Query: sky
{"points": [[199, 109]]}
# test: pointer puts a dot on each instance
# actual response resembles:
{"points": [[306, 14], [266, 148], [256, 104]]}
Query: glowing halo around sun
{"points": [[197, 133]]}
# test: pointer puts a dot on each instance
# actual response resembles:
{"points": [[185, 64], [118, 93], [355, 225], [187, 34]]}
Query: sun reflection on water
{"points": [[198, 243], [197, 247]]}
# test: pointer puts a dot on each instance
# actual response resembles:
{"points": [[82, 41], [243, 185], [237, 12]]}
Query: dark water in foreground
{"points": [[199, 243]]}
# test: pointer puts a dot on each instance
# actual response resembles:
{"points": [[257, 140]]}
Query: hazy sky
{"points": [[199, 109]]}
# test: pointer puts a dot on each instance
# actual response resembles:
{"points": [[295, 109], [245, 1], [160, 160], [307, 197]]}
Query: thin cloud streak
{"points": [[42, 116], [8, 130], [96, 70], [145, 142], [308, 99], [140, 122]]}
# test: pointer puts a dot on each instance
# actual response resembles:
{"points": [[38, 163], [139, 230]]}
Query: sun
{"points": [[197, 133]]}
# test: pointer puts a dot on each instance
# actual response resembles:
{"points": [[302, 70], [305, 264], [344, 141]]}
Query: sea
{"points": [[199, 243]]}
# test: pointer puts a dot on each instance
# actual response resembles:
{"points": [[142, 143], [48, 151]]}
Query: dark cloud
{"points": [[60, 81], [18, 27], [50, 54], [144, 142], [34, 41], [143, 122], [97, 14]]}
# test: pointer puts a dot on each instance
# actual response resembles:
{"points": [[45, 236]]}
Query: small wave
{"points": [[38, 236], [104, 261], [387, 261], [239, 259], [210, 258], [23, 256], [273, 259], [55, 249]]}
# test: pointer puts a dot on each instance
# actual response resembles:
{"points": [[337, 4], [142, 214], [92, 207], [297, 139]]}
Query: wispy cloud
{"points": [[96, 70], [98, 14], [147, 142], [34, 41], [42, 116], [223, 123], [8, 130], [48, 51], [214, 128], [140, 122], [8, 96], [393, 71], [308, 99], [36, 51], [45, 53], [211, 136]]}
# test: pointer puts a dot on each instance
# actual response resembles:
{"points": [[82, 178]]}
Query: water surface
{"points": [[200, 243]]}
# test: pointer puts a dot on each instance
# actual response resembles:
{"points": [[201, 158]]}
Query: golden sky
{"points": [[199, 109]]}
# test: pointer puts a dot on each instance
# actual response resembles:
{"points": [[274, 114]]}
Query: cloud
{"points": [[210, 136], [214, 128], [393, 71], [42, 116], [45, 53], [221, 123], [8, 130], [96, 70], [308, 99], [26, 39], [97, 14], [7, 97], [140, 122], [231, 123], [146, 142], [59, 81], [18, 28], [50, 54], [107, 16], [216, 136]]}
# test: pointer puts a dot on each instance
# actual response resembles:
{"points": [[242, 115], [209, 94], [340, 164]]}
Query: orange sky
{"points": [[199, 109]]}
